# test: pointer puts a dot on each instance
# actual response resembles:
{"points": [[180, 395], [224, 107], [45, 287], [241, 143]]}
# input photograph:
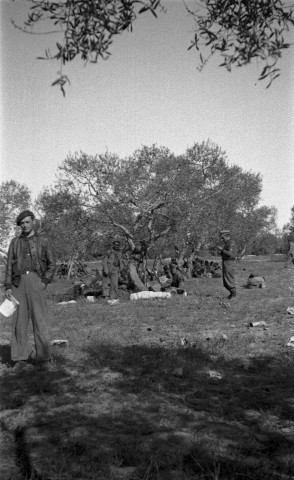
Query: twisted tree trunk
{"points": [[136, 279]]}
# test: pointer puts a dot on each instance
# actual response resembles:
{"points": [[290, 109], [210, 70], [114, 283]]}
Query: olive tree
{"points": [[156, 196], [14, 197], [66, 222], [238, 30], [243, 30], [88, 27]]}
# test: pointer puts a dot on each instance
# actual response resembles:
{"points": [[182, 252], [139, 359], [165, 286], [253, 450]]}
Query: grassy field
{"points": [[175, 389]]}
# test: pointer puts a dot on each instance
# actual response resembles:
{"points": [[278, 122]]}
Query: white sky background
{"points": [[149, 91]]}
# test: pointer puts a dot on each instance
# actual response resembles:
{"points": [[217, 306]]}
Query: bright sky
{"points": [[149, 91]]}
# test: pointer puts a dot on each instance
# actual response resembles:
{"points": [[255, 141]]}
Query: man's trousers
{"points": [[110, 284], [32, 305], [229, 276]]}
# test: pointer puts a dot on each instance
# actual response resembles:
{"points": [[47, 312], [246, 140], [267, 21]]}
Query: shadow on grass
{"points": [[5, 355], [154, 413]]}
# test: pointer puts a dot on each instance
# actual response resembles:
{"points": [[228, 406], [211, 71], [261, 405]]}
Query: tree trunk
{"points": [[145, 266], [136, 280], [3, 256], [157, 264], [240, 255], [190, 259], [70, 264]]}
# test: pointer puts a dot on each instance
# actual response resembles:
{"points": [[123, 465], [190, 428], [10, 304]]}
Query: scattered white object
{"points": [[178, 372], [184, 341], [114, 301], [290, 343], [258, 324], [215, 374], [149, 295], [163, 279], [67, 303], [290, 310], [60, 343], [90, 299], [8, 307], [225, 304]]}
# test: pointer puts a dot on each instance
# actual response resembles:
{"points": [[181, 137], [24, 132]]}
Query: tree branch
{"points": [[22, 29]]}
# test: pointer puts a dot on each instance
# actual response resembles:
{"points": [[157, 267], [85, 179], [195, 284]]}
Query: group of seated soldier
{"points": [[205, 268], [175, 277], [171, 277], [78, 270], [200, 268]]}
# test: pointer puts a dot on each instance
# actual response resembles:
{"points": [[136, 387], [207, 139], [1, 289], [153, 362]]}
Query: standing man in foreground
{"points": [[112, 263], [30, 268], [228, 254]]}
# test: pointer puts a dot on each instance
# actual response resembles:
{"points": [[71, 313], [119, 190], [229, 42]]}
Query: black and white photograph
{"points": [[147, 240]]}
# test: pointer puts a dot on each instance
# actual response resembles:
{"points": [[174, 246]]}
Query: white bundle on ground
{"points": [[67, 303], [147, 295]]}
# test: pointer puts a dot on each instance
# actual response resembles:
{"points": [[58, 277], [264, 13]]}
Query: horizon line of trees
{"points": [[166, 200]]}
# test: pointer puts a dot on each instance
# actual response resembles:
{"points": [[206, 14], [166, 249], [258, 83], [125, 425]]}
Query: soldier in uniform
{"points": [[228, 254], [30, 268], [112, 263], [177, 275]]}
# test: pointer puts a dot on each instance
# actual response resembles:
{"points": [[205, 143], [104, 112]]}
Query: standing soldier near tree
{"points": [[112, 263], [228, 254], [30, 267]]}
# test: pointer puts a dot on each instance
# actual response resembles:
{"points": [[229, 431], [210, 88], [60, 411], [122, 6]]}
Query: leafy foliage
{"points": [[266, 244], [88, 26], [290, 225], [288, 232], [66, 223], [241, 30], [155, 196], [127, 197], [14, 197]]}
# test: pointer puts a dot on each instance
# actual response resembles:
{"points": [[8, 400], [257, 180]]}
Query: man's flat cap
{"points": [[24, 214]]}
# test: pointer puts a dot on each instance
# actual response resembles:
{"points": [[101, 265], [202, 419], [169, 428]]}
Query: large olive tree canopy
{"points": [[88, 26], [238, 30], [241, 30]]}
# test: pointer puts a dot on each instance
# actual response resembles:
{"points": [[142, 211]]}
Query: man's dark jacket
{"points": [[228, 252], [43, 259]]}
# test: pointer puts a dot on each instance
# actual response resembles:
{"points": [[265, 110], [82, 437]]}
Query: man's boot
{"points": [[233, 294]]}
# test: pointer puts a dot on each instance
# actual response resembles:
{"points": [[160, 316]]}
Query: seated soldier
{"points": [[195, 267], [62, 270], [215, 270], [207, 269], [200, 270], [124, 280], [255, 281], [166, 271], [177, 277], [185, 265]]}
